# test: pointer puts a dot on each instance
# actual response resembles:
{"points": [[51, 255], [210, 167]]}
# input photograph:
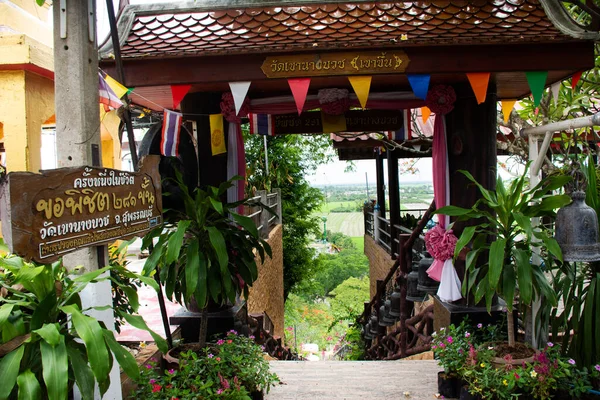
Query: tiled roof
{"points": [[164, 32]]}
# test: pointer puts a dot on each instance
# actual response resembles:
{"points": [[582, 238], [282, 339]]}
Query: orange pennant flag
{"points": [[361, 86], [425, 113], [479, 83], [507, 106]]}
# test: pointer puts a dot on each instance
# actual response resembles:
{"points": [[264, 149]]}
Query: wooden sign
{"points": [[328, 64], [47, 215], [356, 121]]}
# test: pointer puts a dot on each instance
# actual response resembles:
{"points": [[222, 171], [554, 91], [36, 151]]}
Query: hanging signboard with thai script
{"points": [[355, 121], [328, 64], [47, 215]]}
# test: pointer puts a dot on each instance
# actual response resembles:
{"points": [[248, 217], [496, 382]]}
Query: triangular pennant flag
{"points": [[576, 78], [116, 87], [333, 123], [129, 90], [554, 88], [425, 113], [537, 81], [361, 86], [299, 87], [419, 84], [107, 96], [178, 92], [169, 143], [217, 136], [239, 91], [479, 83], [507, 106]]}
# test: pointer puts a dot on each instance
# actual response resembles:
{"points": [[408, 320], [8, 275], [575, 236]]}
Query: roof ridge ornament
{"points": [[563, 20]]}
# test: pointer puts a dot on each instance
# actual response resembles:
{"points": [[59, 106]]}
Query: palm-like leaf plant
{"points": [[206, 251], [504, 240], [47, 342]]}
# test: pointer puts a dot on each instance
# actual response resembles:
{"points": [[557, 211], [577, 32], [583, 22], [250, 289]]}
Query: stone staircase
{"points": [[365, 380]]}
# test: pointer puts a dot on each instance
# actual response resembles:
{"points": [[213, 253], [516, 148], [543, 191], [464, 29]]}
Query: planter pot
{"points": [[448, 385], [257, 395], [465, 395], [521, 353]]}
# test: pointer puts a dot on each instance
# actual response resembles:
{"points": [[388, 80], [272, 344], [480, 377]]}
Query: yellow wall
{"points": [[13, 117], [25, 16], [39, 100]]}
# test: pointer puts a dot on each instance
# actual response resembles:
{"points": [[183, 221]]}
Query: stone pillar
{"points": [[78, 135]]}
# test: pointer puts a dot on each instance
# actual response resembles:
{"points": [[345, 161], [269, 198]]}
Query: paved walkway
{"points": [[365, 380]]}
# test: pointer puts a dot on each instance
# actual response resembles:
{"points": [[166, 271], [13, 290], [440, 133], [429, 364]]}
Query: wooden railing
{"points": [[411, 334], [265, 210], [261, 327]]}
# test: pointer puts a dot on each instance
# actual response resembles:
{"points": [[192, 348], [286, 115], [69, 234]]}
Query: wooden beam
{"points": [[380, 182], [425, 60]]}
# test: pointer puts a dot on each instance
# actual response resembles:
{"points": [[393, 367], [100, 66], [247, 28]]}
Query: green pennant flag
{"points": [[537, 81]]}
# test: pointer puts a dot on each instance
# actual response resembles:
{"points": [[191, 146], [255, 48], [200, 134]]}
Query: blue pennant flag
{"points": [[419, 84]]}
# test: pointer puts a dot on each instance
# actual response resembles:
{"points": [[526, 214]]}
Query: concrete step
{"points": [[365, 380]]}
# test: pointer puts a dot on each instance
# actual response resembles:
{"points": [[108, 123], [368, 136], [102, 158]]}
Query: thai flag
{"points": [[107, 97], [262, 124], [403, 134], [169, 143]]}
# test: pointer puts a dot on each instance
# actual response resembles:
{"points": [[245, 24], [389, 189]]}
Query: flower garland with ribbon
{"points": [[334, 101], [440, 241], [228, 108]]}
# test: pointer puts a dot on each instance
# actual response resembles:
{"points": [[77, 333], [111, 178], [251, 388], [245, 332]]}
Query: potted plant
{"points": [[232, 368], [47, 342], [504, 240], [448, 347], [205, 252]]}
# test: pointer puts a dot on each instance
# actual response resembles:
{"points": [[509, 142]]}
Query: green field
{"points": [[359, 242], [326, 208], [350, 224]]}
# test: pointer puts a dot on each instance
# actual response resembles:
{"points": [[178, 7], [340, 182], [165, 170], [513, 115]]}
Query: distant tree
{"points": [[291, 157], [347, 298]]}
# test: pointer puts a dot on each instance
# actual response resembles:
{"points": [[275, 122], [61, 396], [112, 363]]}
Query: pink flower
{"points": [[152, 381], [517, 376], [480, 325], [550, 344], [219, 391], [224, 382], [233, 332], [467, 334], [171, 372], [571, 361], [220, 342], [230, 341], [218, 358], [597, 367], [156, 388], [450, 340], [442, 345], [434, 347], [210, 355], [148, 366], [252, 337]]}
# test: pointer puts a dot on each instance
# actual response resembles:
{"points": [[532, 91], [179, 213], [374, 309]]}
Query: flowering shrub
{"points": [[231, 369], [449, 346]]}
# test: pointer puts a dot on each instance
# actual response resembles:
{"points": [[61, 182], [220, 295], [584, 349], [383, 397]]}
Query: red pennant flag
{"points": [[299, 87], [179, 92], [576, 78]]}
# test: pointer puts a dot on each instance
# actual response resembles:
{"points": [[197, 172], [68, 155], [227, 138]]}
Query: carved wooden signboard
{"points": [[328, 64], [47, 215], [356, 121]]}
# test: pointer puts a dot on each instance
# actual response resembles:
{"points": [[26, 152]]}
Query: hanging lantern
{"points": [[577, 230]]}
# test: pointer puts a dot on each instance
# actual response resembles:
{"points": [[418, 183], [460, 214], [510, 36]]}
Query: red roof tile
{"points": [[338, 26]]}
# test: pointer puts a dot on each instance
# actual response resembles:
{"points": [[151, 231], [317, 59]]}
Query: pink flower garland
{"points": [[334, 101], [440, 99], [440, 243], [228, 108]]}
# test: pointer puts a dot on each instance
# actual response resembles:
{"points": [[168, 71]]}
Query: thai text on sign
{"points": [[356, 121], [328, 64], [47, 215]]}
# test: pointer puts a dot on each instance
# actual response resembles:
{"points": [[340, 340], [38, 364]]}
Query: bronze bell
{"points": [[395, 303], [577, 230]]}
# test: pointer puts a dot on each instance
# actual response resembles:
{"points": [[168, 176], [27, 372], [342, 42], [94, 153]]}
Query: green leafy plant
{"points": [[124, 286], [449, 346], [506, 238], [232, 368], [47, 342], [206, 251]]}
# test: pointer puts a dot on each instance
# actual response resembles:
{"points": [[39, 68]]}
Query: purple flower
{"points": [[148, 366], [171, 371], [252, 337], [550, 344], [597, 366], [233, 331], [210, 355], [450, 340], [152, 381], [219, 391], [571, 361], [467, 334], [480, 325]]}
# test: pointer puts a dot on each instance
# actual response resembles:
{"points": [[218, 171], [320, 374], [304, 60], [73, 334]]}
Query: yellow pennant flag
{"points": [[361, 86], [479, 83], [333, 123], [217, 137], [507, 106], [425, 113], [116, 87]]}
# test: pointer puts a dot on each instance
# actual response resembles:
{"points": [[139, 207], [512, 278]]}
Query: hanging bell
{"points": [[395, 303], [383, 319], [577, 230], [373, 325]]}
